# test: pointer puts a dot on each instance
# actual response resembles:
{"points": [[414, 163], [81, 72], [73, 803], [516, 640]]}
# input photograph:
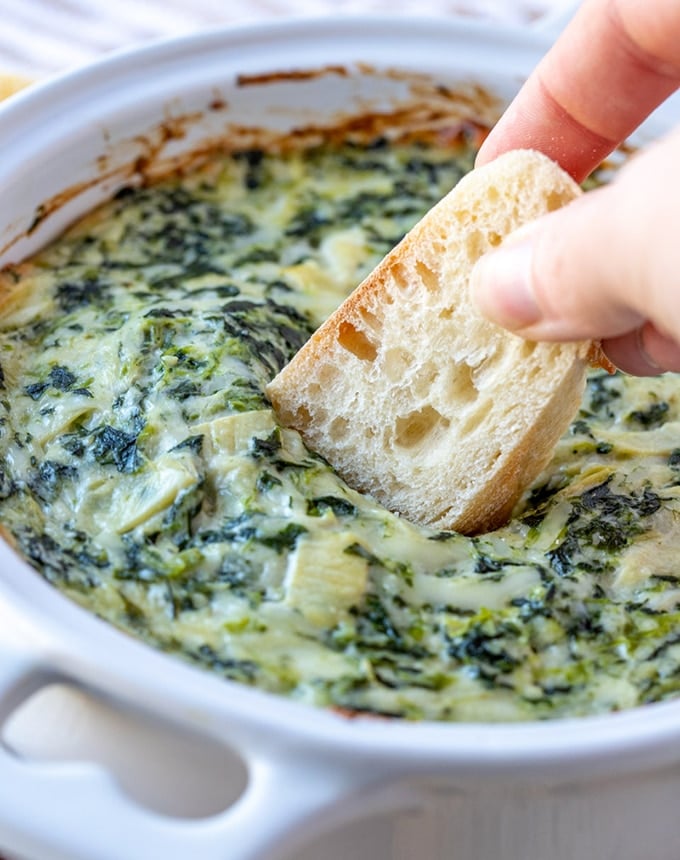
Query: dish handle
{"points": [[77, 811]]}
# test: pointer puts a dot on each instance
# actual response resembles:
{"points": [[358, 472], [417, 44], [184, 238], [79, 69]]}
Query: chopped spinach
{"points": [[118, 447], [340, 507], [600, 525], [653, 416]]}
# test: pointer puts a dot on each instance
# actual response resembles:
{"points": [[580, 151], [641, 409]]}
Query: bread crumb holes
{"points": [[356, 341], [415, 428]]}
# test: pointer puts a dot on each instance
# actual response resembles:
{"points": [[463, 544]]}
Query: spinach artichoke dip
{"points": [[144, 475]]}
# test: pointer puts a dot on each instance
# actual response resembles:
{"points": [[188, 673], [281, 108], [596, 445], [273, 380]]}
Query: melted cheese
{"points": [[143, 473]]}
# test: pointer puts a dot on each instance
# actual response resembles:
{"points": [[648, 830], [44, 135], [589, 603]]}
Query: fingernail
{"points": [[502, 286], [654, 367], [658, 349]]}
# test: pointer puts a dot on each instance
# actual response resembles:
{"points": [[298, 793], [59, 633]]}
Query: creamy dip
{"points": [[143, 473]]}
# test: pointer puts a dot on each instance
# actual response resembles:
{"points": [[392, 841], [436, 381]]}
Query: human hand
{"points": [[605, 267]]}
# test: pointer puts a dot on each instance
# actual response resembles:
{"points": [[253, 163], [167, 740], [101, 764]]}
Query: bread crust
{"points": [[415, 398]]}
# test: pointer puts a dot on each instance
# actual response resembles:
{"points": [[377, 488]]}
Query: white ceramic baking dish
{"points": [[591, 788]]}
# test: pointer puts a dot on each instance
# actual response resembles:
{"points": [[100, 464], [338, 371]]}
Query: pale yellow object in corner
{"points": [[10, 84]]}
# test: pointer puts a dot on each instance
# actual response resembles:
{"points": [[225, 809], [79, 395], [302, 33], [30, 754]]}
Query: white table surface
{"points": [[178, 775], [39, 37]]}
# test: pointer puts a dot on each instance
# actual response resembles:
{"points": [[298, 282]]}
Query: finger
{"points": [[557, 278], [646, 351], [615, 62], [600, 267]]}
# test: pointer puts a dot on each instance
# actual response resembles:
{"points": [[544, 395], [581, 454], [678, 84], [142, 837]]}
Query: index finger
{"points": [[615, 62]]}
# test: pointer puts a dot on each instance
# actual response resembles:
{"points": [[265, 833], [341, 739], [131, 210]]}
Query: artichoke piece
{"points": [[232, 433], [126, 501], [324, 579]]}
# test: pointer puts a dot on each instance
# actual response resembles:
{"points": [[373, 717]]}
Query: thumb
{"points": [[605, 267]]}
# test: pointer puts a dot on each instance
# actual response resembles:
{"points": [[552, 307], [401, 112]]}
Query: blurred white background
{"points": [[39, 37]]}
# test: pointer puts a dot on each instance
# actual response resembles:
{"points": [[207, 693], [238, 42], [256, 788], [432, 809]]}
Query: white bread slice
{"points": [[415, 398]]}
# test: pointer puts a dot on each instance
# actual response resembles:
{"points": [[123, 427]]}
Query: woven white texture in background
{"points": [[39, 37]]}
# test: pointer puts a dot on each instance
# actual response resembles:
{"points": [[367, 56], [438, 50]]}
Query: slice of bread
{"points": [[415, 398]]}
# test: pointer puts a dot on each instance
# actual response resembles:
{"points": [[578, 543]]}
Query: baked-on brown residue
{"points": [[355, 714], [290, 75], [431, 112]]}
